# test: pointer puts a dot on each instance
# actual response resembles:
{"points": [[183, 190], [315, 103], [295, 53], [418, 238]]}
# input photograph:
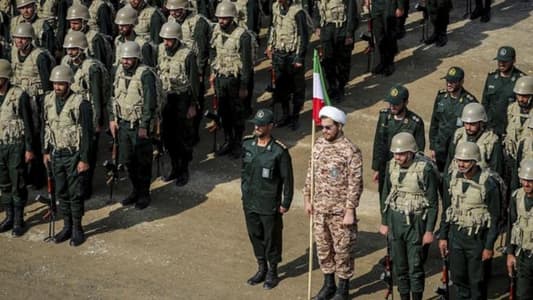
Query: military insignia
{"points": [[394, 92], [265, 173], [260, 114], [452, 72], [334, 172], [280, 144], [405, 121], [490, 86], [415, 118], [503, 51]]}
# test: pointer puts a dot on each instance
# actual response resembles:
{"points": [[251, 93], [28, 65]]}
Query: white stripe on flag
{"points": [[317, 87]]}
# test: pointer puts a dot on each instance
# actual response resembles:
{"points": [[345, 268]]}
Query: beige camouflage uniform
{"points": [[338, 175]]}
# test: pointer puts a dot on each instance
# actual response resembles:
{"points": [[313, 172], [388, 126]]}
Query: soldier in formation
{"points": [[43, 29]]}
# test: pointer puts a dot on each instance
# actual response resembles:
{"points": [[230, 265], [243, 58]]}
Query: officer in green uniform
{"points": [[232, 66], [89, 80], [178, 71], [267, 190], [498, 90], [15, 150], [439, 15], [409, 206], [397, 118], [446, 116], [68, 133], [469, 222], [132, 114], [520, 239], [150, 20], [475, 130], [337, 21]]}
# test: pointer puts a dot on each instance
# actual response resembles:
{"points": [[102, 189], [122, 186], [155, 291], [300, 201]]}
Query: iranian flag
{"points": [[320, 94]]}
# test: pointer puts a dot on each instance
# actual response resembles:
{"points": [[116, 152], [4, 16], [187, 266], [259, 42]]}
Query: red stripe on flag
{"points": [[317, 106]]}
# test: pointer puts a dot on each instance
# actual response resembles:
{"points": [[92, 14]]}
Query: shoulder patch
{"points": [[248, 137], [415, 118], [443, 91], [280, 144], [384, 111], [470, 97]]}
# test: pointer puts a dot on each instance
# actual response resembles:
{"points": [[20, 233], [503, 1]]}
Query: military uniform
{"points": [[516, 123], [149, 22], [384, 29], [248, 14], [525, 151], [338, 22], [44, 31], [101, 17], [439, 15], [288, 39]]}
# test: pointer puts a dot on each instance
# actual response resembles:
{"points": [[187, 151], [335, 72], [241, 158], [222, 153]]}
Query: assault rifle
{"points": [[444, 289], [214, 123], [512, 283], [50, 201], [386, 276], [112, 169]]}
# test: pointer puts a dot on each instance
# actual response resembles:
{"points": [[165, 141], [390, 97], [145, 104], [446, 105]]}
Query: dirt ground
{"points": [[191, 242]]}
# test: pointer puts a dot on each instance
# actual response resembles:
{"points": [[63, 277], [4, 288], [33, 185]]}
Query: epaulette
{"points": [[470, 97], [443, 91], [248, 137], [384, 111], [280, 144], [416, 118], [493, 72]]}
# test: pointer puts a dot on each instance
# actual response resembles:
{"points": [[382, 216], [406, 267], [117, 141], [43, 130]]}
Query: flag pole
{"points": [[310, 271]]}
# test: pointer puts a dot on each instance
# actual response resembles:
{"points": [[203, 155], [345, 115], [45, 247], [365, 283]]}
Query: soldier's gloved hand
{"points": [[28, 156], [142, 133], [511, 264], [443, 247], [82, 167], [383, 229], [349, 217], [486, 254], [427, 238]]}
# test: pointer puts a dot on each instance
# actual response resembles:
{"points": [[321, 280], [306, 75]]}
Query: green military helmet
{"points": [[22, 3], [24, 30], [474, 112], [5, 68], [177, 4], [130, 49], [467, 151], [524, 86], [75, 39], [403, 142], [171, 30], [78, 11], [62, 73], [126, 16], [226, 9], [526, 169]]}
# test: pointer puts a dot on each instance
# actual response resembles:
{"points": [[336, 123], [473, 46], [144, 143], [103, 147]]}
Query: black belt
{"points": [[63, 152]]}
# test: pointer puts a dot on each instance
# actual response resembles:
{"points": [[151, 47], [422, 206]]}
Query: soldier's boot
{"points": [[405, 296], [236, 148], [260, 275], [144, 201], [417, 296], [78, 236], [7, 223], [328, 288], [295, 120], [271, 280], [132, 198], [432, 38], [286, 119], [226, 147], [173, 172], [66, 232], [18, 221], [183, 177], [342, 292]]}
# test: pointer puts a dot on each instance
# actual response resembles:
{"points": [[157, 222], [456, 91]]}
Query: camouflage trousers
{"points": [[335, 244]]}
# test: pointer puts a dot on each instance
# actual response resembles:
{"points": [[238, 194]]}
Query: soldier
{"points": [[90, 77], [482, 10], [177, 68], [338, 176], [469, 222], [518, 113], [266, 167], [409, 206], [44, 31], [287, 46], [15, 150], [337, 21], [99, 46], [248, 14], [31, 71], [475, 130], [520, 242], [439, 15], [231, 62], [196, 32], [397, 118], [446, 116], [384, 17], [132, 114], [498, 91], [54, 11], [68, 132], [101, 14], [126, 19], [150, 20]]}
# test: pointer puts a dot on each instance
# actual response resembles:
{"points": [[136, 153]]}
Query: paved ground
{"points": [[191, 243]]}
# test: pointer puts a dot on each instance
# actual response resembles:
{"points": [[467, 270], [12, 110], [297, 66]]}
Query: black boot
{"points": [[78, 236], [183, 177], [343, 290], [18, 221], [442, 40], [431, 39], [261, 273], [226, 147], [328, 288], [131, 199], [271, 280], [66, 232], [417, 296], [144, 201], [295, 122], [7, 223], [379, 69]]}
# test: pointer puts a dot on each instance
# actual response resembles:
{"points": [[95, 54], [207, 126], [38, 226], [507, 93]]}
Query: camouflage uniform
{"points": [[338, 177]]}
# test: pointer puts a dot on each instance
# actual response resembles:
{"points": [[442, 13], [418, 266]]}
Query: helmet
{"points": [[526, 169], [226, 9], [78, 11], [62, 73], [22, 3], [467, 151], [24, 30], [403, 142], [474, 112], [75, 39], [130, 49], [171, 30], [524, 86], [333, 113], [126, 16], [5, 68], [177, 4]]}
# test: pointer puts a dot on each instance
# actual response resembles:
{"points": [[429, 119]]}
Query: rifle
{"points": [[50, 201], [212, 126], [369, 38], [444, 289], [112, 169], [512, 287], [386, 276]]}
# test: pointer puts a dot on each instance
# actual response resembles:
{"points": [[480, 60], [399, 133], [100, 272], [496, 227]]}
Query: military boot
{"points": [[144, 201], [343, 290], [286, 119], [261, 273], [271, 280], [130, 199], [236, 148], [78, 236], [226, 147], [173, 173], [183, 177], [7, 223], [417, 296], [18, 221], [66, 232], [328, 288], [431, 39], [295, 121]]}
